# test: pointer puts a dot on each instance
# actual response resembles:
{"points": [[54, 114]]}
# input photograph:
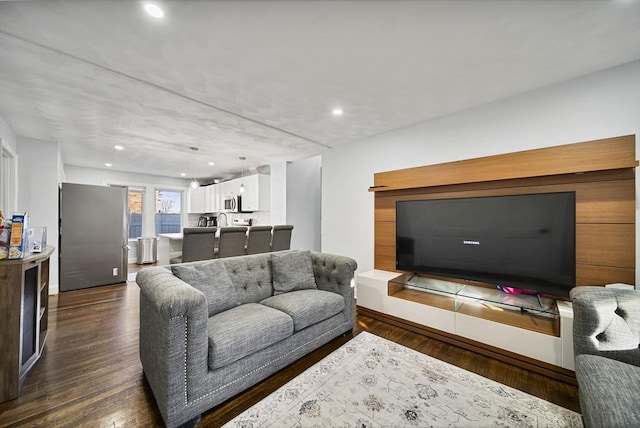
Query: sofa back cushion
{"points": [[606, 321], [251, 276], [212, 279], [292, 270]]}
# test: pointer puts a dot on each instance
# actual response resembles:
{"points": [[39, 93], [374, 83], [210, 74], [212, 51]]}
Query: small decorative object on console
{"points": [[18, 242], [5, 236], [38, 241]]}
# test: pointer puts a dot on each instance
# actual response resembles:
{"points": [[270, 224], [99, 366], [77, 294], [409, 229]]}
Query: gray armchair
{"points": [[606, 339]]}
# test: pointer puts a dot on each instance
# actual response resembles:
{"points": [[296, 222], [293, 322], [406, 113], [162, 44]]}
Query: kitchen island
{"points": [[169, 245]]}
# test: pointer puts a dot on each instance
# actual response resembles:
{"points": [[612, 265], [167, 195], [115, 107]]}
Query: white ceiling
{"points": [[260, 78]]}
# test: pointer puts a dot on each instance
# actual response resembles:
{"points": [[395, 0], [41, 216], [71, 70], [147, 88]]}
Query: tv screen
{"points": [[520, 241]]}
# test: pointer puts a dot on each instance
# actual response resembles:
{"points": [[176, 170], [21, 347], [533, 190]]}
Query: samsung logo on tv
{"points": [[466, 242]]}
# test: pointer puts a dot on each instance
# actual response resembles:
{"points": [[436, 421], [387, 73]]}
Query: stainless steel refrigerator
{"points": [[93, 235]]}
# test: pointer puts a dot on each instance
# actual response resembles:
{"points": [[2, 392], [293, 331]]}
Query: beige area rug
{"points": [[372, 382]]}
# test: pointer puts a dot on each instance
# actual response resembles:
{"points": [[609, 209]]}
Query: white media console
{"points": [[538, 330]]}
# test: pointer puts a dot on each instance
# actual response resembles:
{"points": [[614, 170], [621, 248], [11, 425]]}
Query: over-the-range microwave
{"points": [[233, 203]]}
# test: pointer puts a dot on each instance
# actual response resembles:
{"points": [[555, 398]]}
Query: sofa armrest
{"points": [[335, 273], [607, 323], [173, 340]]}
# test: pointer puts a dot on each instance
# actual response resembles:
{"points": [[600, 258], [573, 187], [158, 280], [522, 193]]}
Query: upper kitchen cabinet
{"points": [[257, 192], [210, 199], [213, 199], [197, 200], [229, 188]]}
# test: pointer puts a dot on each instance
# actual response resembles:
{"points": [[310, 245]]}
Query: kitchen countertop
{"points": [[170, 235]]}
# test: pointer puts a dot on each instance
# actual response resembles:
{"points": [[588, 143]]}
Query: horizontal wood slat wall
{"points": [[597, 155], [605, 200]]}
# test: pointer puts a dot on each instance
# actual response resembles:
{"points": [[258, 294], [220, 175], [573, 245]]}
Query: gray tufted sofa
{"points": [[606, 335], [230, 323]]}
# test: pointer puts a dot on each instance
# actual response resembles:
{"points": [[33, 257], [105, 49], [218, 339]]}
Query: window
{"points": [[168, 211], [7, 181], [135, 198]]}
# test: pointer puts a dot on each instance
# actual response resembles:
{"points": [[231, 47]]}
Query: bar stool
{"points": [[281, 237], [232, 241], [259, 239], [197, 244]]}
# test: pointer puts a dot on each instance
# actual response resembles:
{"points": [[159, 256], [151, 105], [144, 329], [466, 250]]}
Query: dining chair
{"points": [[231, 241], [259, 239], [197, 244], [281, 237]]}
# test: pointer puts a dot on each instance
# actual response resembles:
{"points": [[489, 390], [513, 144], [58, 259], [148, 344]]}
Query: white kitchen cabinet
{"points": [[212, 198], [257, 192], [229, 188], [197, 200], [233, 186]]}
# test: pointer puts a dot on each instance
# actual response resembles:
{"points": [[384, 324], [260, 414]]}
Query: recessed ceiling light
{"points": [[154, 10], [212, 163], [183, 174], [107, 164], [118, 147], [337, 111]]}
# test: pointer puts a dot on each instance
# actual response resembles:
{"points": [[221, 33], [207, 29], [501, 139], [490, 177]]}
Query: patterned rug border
{"points": [[323, 396]]}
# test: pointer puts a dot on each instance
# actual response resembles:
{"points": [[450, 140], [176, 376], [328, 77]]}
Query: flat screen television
{"points": [[519, 241]]}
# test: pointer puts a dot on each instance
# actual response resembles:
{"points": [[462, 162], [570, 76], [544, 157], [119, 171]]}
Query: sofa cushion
{"points": [[292, 270], [212, 279], [243, 330], [608, 391], [307, 307], [251, 276]]}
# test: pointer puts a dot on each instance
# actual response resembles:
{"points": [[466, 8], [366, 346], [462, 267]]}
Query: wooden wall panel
{"points": [[606, 245], [385, 233], [600, 275], [385, 245], [605, 205], [596, 202], [606, 202], [385, 207], [384, 262], [597, 155]]}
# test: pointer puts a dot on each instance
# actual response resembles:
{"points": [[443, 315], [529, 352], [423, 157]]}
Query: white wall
{"points": [[103, 177], [278, 192], [9, 170], [38, 192], [599, 105], [8, 136], [304, 178]]}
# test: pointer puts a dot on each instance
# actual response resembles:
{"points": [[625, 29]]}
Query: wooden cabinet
{"points": [[24, 304], [523, 330], [257, 193]]}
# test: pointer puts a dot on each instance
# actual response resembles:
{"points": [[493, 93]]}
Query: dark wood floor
{"points": [[90, 373]]}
